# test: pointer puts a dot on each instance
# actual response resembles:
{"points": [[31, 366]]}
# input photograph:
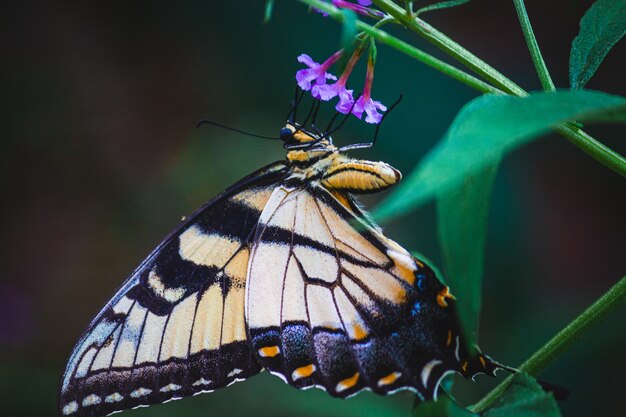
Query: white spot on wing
{"points": [[70, 408], [427, 370], [114, 398], [234, 372], [201, 381], [92, 399], [170, 387], [140, 392]]}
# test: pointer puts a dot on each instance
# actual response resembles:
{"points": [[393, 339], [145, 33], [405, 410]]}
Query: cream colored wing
{"points": [[176, 327], [332, 303]]}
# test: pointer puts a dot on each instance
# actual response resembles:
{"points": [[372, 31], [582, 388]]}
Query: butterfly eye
{"points": [[285, 133]]}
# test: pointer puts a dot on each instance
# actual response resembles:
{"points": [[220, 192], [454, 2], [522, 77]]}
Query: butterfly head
{"points": [[295, 136]]}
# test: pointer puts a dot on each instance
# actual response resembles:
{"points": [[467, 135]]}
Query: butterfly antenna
{"points": [[313, 120], [332, 121], [308, 116], [211, 122], [385, 115], [345, 118], [292, 106], [298, 98]]}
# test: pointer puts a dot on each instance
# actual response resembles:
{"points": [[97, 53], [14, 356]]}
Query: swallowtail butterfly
{"points": [[281, 271]]}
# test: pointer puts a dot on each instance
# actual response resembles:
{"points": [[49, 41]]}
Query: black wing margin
{"points": [[176, 326]]}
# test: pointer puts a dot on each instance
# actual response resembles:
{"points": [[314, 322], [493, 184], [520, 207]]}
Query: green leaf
{"points": [[602, 26], [486, 129], [443, 407], [269, 9], [524, 398], [440, 5], [462, 223]]}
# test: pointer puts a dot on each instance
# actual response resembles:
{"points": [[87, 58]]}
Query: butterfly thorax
{"points": [[313, 160], [335, 171]]}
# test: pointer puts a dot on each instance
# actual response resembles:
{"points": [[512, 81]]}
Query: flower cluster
{"points": [[360, 8], [315, 76]]}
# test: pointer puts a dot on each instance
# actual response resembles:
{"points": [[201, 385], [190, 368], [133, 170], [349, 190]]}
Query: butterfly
{"points": [[282, 271]]}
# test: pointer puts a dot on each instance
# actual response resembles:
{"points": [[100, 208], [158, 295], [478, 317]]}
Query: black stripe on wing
{"points": [[176, 326]]}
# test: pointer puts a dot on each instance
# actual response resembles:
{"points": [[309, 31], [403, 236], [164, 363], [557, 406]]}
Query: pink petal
{"points": [[346, 100], [324, 92], [307, 60], [359, 107]]}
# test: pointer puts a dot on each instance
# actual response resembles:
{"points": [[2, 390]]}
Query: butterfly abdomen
{"points": [[359, 176]]}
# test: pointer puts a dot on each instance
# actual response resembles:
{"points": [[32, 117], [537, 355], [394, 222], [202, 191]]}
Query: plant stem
{"points": [[533, 47], [563, 340], [452, 48], [408, 49], [598, 151]]}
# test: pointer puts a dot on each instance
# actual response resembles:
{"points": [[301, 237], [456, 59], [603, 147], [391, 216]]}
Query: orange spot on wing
{"points": [[482, 360], [389, 379], [464, 366], [449, 338], [348, 382], [269, 351], [359, 332], [303, 372], [443, 295]]}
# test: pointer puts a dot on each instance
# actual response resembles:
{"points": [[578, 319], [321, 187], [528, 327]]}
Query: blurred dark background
{"points": [[101, 159]]}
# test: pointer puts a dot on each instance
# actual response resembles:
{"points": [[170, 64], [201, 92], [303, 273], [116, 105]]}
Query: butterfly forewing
{"points": [[331, 302], [176, 327]]}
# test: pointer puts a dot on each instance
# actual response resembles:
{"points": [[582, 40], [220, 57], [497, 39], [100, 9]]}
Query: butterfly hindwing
{"points": [[176, 326], [332, 303]]}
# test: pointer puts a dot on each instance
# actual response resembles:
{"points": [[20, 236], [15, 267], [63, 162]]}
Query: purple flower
{"points": [[316, 73], [365, 102], [370, 107], [359, 8], [327, 92]]}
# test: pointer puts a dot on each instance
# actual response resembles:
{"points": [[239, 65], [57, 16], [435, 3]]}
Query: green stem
{"points": [[452, 48], [598, 151], [563, 340], [533, 46], [408, 49]]}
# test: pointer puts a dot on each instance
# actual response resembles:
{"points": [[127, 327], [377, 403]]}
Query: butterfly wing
{"points": [[176, 326], [332, 303]]}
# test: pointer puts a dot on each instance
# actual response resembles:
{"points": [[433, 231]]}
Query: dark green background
{"points": [[101, 158]]}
